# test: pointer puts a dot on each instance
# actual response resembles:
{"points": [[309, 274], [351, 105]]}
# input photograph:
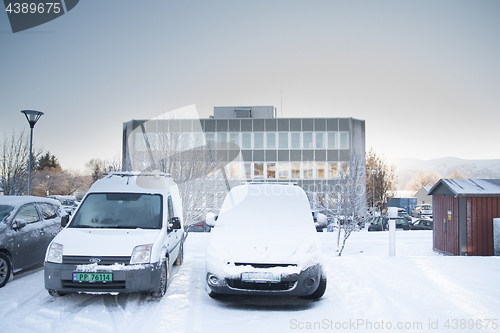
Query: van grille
{"points": [[86, 260]]}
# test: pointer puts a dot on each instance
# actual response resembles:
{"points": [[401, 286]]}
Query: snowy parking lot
{"points": [[418, 290]]}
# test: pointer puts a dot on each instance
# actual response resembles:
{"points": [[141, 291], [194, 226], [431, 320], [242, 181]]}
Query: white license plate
{"points": [[262, 277]]}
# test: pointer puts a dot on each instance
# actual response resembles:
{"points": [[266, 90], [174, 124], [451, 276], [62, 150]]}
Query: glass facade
{"points": [[276, 148]]}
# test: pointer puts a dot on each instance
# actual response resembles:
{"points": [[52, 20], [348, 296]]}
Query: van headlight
{"points": [[141, 254], [55, 253]]}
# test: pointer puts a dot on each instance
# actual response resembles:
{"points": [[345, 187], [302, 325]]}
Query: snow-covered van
{"points": [[124, 237], [264, 242]]}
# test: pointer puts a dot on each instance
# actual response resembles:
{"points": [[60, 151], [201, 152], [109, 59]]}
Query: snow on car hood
{"points": [[103, 242], [272, 245]]}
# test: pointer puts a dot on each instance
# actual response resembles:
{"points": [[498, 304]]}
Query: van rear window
{"points": [[119, 211]]}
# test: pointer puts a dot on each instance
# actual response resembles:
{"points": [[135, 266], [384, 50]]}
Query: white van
{"points": [[124, 237]]}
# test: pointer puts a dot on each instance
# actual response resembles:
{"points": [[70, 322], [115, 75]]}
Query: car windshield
{"points": [[5, 211], [119, 210], [427, 207]]}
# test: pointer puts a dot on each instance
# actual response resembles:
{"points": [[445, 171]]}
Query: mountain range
{"points": [[406, 168]]}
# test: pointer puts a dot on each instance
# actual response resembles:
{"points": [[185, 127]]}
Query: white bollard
{"points": [[392, 238]]}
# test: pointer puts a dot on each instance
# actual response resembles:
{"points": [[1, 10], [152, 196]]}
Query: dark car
{"points": [[27, 225], [198, 227], [381, 223], [423, 224]]}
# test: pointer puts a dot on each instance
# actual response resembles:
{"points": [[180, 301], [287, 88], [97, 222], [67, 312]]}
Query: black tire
{"points": [[5, 269], [180, 257], [55, 293], [320, 291], [162, 288]]}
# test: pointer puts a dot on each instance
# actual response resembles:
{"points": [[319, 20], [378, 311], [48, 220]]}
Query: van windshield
{"points": [[119, 210]]}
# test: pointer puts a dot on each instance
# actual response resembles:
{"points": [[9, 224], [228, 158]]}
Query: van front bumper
{"points": [[126, 278]]}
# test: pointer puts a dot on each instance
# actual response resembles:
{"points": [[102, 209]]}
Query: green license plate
{"points": [[92, 277]]}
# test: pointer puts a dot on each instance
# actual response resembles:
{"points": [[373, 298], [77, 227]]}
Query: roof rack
{"points": [[138, 173]]}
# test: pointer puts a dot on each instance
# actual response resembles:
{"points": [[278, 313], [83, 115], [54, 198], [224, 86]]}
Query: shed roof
{"points": [[467, 187]]}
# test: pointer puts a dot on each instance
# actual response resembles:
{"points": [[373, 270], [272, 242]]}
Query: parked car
{"points": [[68, 203], [198, 227], [320, 220], [423, 224], [124, 237], [27, 225], [422, 210], [381, 223], [264, 242]]}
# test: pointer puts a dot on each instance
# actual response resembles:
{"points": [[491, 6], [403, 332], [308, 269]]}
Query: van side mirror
{"points": [[64, 220], [210, 219], [175, 223], [19, 224]]}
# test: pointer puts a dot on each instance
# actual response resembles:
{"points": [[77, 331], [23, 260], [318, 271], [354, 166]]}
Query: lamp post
{"points": [[373, 189], [32, 116]]}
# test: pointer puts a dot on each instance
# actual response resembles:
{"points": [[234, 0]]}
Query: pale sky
{"points": [[424, 75]]}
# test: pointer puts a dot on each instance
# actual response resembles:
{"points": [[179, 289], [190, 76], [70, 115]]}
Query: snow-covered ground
{"points": [[415, 291]]}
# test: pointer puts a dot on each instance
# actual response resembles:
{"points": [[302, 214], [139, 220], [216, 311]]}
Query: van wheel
{"points": [[5, 269], [180, 257], [320, 291], [162, 288], [55, 293]]}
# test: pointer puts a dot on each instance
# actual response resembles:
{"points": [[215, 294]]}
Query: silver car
{"points": [[27, 225]]}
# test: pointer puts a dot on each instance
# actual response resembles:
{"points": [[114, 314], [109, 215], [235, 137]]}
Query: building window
{"points": [[247, 170], [332, 170], [235, 170], [271, 170], [221, 137], [308, 170], [283, 170], [209, 138], [320, 170], [246, 141], [270, 140], [258, 170], [344, 140], [320, 140], [344, 168], [234, 138], [258, 140], [295, 170], [332, 140], [283, 140], [295, 141], [308, 140]]}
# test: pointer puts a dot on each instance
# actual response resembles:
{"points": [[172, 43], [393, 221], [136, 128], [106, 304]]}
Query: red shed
{"points": [[464, 210]]}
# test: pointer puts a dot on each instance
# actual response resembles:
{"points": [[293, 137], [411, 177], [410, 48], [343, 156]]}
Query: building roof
{"points": [[467, 187]]}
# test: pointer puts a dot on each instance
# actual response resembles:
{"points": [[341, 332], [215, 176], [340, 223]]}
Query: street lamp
{"points": [[32, 116], [373, 189]]}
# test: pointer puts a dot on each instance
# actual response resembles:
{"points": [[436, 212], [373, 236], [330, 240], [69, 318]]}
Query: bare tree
{"points": [[14, 161], [423, 178], [457, 174], [380, 185], [351, 205], [345, 200], [198, 168]]}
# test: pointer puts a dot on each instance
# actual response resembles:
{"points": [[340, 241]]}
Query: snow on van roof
{"points": [[132, 181]]}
